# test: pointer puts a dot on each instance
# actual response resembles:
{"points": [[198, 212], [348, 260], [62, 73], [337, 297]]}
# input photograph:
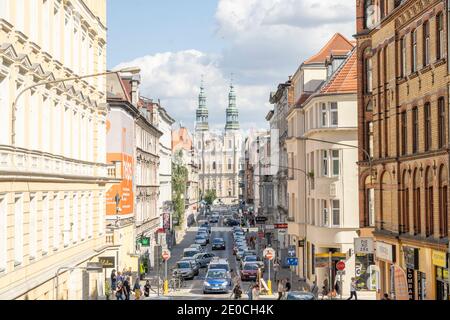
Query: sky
{"points": [[260, 42]]}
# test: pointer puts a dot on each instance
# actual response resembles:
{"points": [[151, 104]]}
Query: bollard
{"points": [[269, 285], [166, 287]]}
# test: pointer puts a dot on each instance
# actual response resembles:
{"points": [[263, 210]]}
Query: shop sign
{"points": [[107, 262], [363, 245], [385, 251], [445, 274], [411, 258], [411, 283], [145, 241], [439, 259], [322, 260], [422, 284]]}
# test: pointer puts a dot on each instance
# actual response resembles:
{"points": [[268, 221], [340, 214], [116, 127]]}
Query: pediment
{"points": [[8, 51]]}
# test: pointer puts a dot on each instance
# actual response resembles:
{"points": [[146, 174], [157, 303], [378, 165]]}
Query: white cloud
{"points": [[265, 41]]}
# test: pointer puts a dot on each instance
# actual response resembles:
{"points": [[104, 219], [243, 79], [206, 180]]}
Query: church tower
{"points": [[202, 112], [232, 111]]}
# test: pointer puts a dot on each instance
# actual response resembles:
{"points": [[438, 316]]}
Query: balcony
{"points": [[115, 171], [22, 161]]}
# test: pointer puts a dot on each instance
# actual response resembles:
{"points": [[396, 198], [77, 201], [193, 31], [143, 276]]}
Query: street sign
{"points": [[269, 227], [292, 252], [165, 255], [269, 254], [261, 220], [281, 226], [107, 262], [293, 262], [340, 265]]}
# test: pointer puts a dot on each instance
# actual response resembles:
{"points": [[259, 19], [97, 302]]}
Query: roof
{"points": [[313, 85], [338, 43], [345, 79]]}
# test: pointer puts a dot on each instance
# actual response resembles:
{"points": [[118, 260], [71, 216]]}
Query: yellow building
{"points": [[52, 149]]}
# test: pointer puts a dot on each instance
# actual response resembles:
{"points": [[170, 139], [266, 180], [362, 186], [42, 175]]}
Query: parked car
{"points": [[298, 295], [231, 222], [185, 269], [240, 252], [249, 271], [214, 218], [195, 264], [206, 225], [190, 252], [250, 253], [217, 281], [218, 244], [248, 259], [204, 235], [203, 259], [200, 248]]}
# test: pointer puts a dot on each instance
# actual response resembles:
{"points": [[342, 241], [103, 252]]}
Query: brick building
{"points": [[403, 118]]}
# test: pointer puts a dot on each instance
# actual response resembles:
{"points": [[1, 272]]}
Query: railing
{"points": [[33, 162]]}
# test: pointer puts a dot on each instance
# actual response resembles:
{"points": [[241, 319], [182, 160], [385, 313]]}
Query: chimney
{"points": [[135, 82]]}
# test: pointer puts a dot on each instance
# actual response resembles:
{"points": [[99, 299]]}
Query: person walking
{"points": [[255, 292], [250, 291], [276, 268], [386, 297], [237, 292], [325, 288], [280, 289], [137, 289], [147, 288], [315, 290], [119, 277], [127, 288], [353, 290], [119, 291], [288, 285], [113, 281]]}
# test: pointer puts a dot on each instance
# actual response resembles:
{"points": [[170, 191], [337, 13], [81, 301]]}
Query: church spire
{"points": [[232, 111], [202, 111]]}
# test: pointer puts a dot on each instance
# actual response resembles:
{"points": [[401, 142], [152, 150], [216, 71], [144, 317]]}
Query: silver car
{"points": [[184, 269], [203, 259]]}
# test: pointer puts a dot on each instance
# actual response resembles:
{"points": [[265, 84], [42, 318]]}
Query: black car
{"points": [[232, 223], [218, 244]]}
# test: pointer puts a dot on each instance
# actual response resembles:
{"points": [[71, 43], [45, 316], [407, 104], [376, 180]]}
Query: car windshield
{"points": [[219, 266], [250, 258], [216, 274], [190, 253], [218, 240], [199, 238], [300, 296], [183, 265], [250, 266]]}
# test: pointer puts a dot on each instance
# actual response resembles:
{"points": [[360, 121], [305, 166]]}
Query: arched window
{"points": [[404, 216], [429, 221], [416, 190], [443, 202], [386, 201]]}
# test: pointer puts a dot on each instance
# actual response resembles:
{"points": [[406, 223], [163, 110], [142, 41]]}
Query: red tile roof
{"points": [[345, 79], [338, 43]]}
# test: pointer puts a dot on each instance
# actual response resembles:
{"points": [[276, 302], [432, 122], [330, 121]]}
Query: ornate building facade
{"points": [[220, 154]]}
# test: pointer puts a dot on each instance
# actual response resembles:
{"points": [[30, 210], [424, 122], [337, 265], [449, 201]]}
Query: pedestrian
{"points": [[386, 297], [337, 287], [288, 285], [137, 289], [303, 285], [119, 277], [325, 288], [237, 292], [147, 288], [250, 292], [119, 291], [113, 281], [276, 268], [353, 290], [280, 289], [315, 290], [127, 288], [255, 292]]}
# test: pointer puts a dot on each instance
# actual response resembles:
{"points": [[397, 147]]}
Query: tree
{"points": [[180, 176], [210, 196]]}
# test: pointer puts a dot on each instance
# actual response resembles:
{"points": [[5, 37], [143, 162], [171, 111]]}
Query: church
{"points": [[220, 154]]}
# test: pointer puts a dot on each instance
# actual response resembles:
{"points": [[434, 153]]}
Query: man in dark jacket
{"points": [[127, 288]]}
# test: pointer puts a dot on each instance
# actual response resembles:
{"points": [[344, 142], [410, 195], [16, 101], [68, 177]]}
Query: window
{"points": [[230, 144], [415, 128], [33, 226], [324, 117], [3, 228], [404, 130], [417, 218], [84, 210], [229, 164], [334, 114], [429, 201], [66, 220], [45, 223], [414, 51], [325, 163], [370, 207], [426, 43], [214, 165], [56, 222], [90, 216], [403, 57], [369, 137], [102, 208], [335, 162], [427, 116], [18, 230], [336, 213], [441, 117], [440, 40], [75, 217], [368, 71], [325, 218]]}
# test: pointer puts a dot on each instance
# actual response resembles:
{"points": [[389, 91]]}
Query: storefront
{"points": [[385, 255], [364, 259], [411, 258], [439, 259]]}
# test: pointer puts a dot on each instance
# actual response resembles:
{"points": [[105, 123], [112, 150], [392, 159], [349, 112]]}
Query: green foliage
{"points": [[210, 196], [180, 176]]}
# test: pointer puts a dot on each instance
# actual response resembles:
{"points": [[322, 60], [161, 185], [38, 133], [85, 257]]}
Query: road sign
{"points": [[281, 226], [145, 241], [269, 254], [293, 262], [261, 219], [269, 227], [166, 255], [340, 265], [292, 252]]}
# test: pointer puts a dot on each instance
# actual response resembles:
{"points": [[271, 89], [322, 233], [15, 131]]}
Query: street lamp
{"points": [[132, 70]]}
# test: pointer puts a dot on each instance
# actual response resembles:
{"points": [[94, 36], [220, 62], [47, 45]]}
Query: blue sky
{"points": [[141, 27], [262, 42]]}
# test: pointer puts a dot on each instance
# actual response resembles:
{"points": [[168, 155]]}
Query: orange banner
{"points": [[122, 190]]}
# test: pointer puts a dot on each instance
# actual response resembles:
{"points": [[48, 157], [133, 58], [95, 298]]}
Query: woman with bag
{"points": [[137, 289], [119, 291]]}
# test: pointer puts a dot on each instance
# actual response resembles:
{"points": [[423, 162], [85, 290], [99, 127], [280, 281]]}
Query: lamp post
{"points": [[132, 70]]}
